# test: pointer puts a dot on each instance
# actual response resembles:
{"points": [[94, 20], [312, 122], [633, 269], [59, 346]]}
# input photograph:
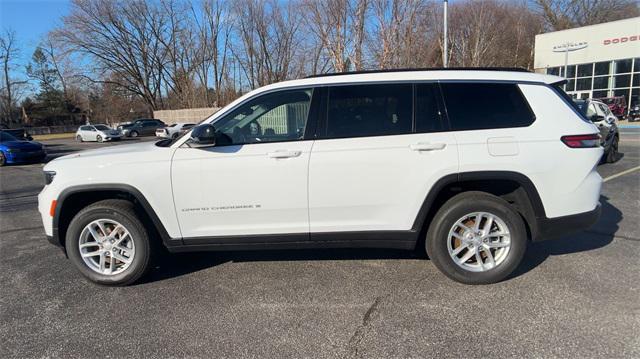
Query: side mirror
{"points": [[203, 136], [597, 118]]}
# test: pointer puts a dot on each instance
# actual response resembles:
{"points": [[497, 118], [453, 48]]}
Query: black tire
{"points": [[174, 136], [99, 138], [460, 206], [3, 159], [133, 134], [123, 212], [79, 138], [612, 154]]}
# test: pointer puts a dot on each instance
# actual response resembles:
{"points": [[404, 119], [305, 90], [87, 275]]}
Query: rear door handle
{"points": [[421, 146], [284, 154]]}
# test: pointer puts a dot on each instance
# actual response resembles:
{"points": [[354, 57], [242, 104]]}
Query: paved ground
{"points": [[578, 296]]}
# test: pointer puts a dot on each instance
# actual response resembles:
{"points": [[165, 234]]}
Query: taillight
{"points": [[581, 141]]}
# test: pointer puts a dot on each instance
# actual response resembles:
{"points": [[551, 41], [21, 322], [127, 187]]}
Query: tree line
{"points": [[115, 60]]}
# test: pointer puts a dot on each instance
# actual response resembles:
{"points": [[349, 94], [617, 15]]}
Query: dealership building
{"points": [[601, 60]]}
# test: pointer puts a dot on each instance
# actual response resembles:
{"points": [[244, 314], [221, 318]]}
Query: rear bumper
{"points": [[550, 228]]}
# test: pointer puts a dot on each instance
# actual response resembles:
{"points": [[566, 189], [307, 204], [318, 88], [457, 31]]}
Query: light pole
{"points": [[566, 48], [445, 62]]}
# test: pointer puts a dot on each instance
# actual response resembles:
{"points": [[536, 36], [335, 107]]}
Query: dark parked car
{"points": [[13, 150], [142, 127], [600, 114], [19, 133], [634, 113]]}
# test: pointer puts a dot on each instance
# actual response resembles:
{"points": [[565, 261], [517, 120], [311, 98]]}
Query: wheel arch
{"points": [[73, 199], [514, 187]]}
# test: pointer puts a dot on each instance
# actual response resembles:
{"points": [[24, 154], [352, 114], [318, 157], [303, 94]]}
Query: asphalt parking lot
{"points": [[573, 297]]}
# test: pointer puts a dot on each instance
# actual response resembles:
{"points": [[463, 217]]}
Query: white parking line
{"points": [[621, 174]]}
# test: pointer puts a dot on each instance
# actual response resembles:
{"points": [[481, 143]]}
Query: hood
{"points": [[23, 145], [127, 152]]}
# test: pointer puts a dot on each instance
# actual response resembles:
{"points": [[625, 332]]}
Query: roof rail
{"points": [[509, 69]]}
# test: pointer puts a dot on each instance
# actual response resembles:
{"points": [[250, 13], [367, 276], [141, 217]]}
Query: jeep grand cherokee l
{"points": [[467, 165]]}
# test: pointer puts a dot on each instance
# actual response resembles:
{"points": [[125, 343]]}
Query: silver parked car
{"points": [[98, 133]]}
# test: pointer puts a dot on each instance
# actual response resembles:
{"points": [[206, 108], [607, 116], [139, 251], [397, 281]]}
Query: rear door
{"points": [[375, 160]]}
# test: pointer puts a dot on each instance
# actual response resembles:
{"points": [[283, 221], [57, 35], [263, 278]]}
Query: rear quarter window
{"points": [[475, 106]]}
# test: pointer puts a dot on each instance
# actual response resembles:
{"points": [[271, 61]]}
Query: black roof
{"points": [[507, 69]]}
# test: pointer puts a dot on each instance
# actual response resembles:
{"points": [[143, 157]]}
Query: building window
{"points": [[571, 71], [571, 85], [602, 68], [600, 94], [585, 70], [583, 84], [623, 66], [553, 71], [622, 81], [601, 82], [636, 79]]}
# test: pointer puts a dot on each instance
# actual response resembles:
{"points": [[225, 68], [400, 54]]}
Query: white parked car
{"points": [[396, 159], [98, 133], [174, 131]]}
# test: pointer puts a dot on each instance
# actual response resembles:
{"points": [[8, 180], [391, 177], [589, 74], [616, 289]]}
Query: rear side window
{"points": [[369, 110], [475, 106], [428, 115]]}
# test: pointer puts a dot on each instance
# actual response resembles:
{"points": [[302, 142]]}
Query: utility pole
{"points": [[445, 40]]}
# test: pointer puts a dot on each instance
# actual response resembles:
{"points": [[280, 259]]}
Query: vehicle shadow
{"points": [[176, 265], [598, 236]]}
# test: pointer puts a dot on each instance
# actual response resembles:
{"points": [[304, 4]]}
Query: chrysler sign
{"points": [[570, 46]]}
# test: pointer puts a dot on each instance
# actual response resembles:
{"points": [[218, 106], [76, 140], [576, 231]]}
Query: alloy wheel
{"points": [[106, 247], [479, 241]]}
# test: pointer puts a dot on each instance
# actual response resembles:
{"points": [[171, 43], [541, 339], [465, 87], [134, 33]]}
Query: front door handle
{"points": [[284, 154], [423, 146]]}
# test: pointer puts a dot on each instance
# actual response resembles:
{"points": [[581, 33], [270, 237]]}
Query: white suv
{"points": [[468, 165]]}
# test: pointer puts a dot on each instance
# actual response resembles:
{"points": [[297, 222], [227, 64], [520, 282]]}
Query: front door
{"points": [[254, 181]]}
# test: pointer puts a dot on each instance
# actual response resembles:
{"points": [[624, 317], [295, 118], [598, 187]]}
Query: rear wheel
{"points": [[174, 136], [612, 154], [3, 159], [79, 138], [476, 238], [108, 243]]}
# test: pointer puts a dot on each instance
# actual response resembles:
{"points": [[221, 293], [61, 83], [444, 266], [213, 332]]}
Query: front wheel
{"points": [[3, 159], [99, 138], [108, 243], [133, 134], [476, 238]]}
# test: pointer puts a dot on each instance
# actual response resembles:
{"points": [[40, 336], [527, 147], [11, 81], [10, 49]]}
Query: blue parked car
{"points": [[13, 150]]}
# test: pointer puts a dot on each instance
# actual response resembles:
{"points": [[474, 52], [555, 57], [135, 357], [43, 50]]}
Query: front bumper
{"points": [[549, 228], [25, 157]]}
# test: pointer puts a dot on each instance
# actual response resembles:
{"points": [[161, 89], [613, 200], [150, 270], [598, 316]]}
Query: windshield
{"points": [[5, 137], [102, 127]]}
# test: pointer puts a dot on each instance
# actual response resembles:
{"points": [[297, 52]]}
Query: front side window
{"points": [[275, 117], [474, 106], [369, 110]]}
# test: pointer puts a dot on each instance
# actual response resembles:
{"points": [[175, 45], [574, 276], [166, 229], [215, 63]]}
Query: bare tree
{"points": [[124, 39], [565, 14], [340, 27], [9, 53], [213, 34], [268, 34]]}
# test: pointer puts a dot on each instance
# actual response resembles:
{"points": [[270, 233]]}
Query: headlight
{"points": [[48, 177]]}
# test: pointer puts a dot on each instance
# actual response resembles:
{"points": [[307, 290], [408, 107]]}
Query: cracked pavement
{"points": [[576, 296]]}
